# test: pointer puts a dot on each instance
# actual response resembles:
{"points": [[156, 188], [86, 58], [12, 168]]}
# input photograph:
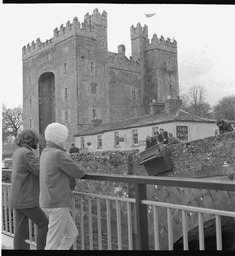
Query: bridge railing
{"points": [[100, 218]]}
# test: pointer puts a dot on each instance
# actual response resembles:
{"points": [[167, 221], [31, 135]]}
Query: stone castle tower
{"points": [[73, 78]]}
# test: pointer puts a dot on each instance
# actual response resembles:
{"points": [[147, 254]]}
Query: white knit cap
{"points": [[56, 133]]}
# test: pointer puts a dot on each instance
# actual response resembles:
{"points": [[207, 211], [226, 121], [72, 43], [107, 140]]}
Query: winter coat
{"points": [[226, 127], [24, 191], [73, 150], [57, 169]]}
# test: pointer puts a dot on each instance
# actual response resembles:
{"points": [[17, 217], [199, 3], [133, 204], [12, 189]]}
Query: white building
{"points": [[131, 133]]}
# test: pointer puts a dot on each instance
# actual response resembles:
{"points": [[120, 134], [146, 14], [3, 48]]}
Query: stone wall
{"points": [[212, 157]]}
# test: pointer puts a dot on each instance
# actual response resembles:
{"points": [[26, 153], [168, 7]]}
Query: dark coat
{"points": [[226, 127], [24, 191], [73, 150], [57, 170]]}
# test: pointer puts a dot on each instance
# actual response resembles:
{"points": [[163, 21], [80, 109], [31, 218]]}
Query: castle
{"points": [[73, 79]]}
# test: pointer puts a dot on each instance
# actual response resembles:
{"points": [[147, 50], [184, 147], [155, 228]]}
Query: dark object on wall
{"points": [[156, 160]]}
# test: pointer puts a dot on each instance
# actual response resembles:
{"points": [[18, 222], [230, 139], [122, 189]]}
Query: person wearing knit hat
{"points": [[58, 172]]}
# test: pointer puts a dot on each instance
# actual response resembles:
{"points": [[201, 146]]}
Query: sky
{"points": [[204, 34]]}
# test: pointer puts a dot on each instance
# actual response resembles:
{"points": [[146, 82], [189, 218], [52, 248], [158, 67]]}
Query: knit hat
{"points": [[56, 133]]}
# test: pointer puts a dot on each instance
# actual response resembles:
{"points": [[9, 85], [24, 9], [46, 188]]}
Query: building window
{"points": [[66, 49], [30, 81], [133, 97], [30, 123], [82, 142], [99, 141], [92, 67], [65, 68], [48, 57], [93, 88], [66, 93], [155, 131], [135, 140], [30, 103], [94, 114], [116, 139]]}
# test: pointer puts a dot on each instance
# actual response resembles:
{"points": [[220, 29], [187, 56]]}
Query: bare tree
{"points": [[225, 108], [12, 121], [195, 101]]}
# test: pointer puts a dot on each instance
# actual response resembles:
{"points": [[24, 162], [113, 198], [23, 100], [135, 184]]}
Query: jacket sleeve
{"points": [[70, 167], [31, 162]]}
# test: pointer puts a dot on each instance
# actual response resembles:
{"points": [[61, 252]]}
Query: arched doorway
{"points": [[46, 94]]}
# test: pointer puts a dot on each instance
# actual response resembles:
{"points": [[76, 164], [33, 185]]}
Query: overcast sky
{"points": [[204, 33]]}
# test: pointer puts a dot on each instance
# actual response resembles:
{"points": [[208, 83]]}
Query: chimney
{"points": [[156, 107], [173, 104], [96, 122], [122, 49]]}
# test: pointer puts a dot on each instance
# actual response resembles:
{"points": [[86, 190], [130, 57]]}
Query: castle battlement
{"points": [[162, 44], [84, 29], [139, 31]]}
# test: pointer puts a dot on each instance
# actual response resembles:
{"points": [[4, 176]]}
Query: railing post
{"points": [[141, 217]]}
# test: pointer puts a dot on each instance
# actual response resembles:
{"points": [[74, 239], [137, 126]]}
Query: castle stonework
{"points": [[73, 79]]}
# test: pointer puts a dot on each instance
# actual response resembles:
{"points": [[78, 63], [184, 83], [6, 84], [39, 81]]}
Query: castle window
{"points": [[65, 68], [133, 97], [92, 67], [135, 140], [82, 142], [93, 88], [94, 114], [116, 137], [99, 141], [155, 131], [30, 103], [66, 93], [48, 57], [30, 81]]}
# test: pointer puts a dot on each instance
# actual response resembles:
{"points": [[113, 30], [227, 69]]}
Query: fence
{"points": [[117, 223]]}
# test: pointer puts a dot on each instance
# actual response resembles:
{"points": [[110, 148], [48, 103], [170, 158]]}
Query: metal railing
{"points": [[99, 218]]}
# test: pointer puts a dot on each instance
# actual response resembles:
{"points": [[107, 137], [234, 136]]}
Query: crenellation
{"points": [[97, 18], [75, 28], [33, 45], [162, 44], [139, 31]]}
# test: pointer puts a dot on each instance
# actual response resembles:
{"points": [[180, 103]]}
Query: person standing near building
{"points": [[57, 180], [24, 192], [224, 126], [73, 149], [90, 148]]}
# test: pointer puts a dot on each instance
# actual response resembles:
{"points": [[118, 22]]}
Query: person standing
{"points": [[224, 126], [24, 192], [90, 148], [57, 180], [73, 149]]}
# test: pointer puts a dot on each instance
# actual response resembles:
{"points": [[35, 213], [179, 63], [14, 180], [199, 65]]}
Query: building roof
{"points": [[179, 115]]}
